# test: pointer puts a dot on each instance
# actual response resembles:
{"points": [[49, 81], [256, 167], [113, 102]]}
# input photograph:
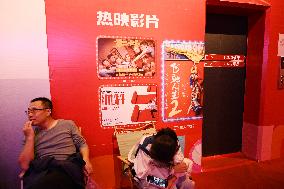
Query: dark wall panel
{"points": [[223, 110], [224, 87]]}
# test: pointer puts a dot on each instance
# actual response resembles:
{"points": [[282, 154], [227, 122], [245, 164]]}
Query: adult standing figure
{"points": [[54, 155]]}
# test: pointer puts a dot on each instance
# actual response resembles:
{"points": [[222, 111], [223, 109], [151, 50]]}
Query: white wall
{"points": [[24, 75], [23, 47]]}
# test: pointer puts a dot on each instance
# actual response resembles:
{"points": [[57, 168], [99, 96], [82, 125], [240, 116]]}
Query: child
{"points": [[159, 162]]}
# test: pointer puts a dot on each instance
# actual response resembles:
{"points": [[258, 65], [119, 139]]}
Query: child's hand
{"points": [[171, 182], [180, 168]]}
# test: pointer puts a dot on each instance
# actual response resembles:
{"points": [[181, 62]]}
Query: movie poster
{"points": [[182, 80], [127, 105], [125, 57]]}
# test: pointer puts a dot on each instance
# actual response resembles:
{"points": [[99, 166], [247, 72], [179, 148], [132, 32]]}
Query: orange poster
{"points": [[182, 81]]}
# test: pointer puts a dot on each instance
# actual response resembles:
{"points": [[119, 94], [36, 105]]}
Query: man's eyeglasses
{"points": [[33, 110]]}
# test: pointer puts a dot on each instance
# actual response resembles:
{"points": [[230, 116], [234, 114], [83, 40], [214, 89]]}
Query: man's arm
{"points": [[27, 154], [84, 150], [81, 145]]}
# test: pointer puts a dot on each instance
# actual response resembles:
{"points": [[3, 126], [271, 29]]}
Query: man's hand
{"points": [[27, 154], [28, 130], [180, 168], [88, 167], [84, 150]]}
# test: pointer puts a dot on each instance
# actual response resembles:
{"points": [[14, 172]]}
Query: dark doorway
{"points": [[224, 87], [226, 34]]}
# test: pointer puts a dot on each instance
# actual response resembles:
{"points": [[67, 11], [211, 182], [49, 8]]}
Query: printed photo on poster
{"points": [[128, 105], [125, 57], [182, 79], [176, 50]]}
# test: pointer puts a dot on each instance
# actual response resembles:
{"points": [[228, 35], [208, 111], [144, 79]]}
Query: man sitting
{"points": [[55, 154]]}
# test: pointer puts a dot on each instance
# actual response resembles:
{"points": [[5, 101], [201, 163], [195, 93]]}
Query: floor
{"points": [[232, 171]]}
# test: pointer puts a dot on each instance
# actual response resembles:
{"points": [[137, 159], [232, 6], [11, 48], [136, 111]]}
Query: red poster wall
{"points": [[73, 28]]}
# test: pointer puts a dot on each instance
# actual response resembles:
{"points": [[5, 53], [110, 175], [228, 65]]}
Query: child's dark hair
{"points": [[164, 146]]}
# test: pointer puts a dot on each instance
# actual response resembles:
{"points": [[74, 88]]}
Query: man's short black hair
{"points": [[45, 101], [164, 146]]}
